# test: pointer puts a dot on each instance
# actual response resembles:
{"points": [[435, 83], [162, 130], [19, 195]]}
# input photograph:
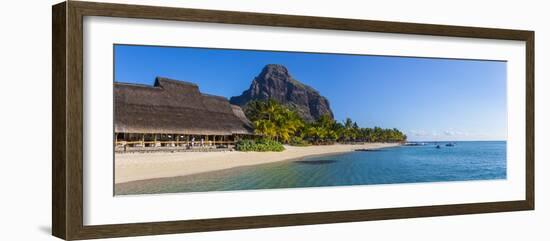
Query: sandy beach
{"points": [[142, 166]]}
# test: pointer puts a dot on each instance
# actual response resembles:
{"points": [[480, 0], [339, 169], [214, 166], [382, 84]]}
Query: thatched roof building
{"points": [[175, 107]]}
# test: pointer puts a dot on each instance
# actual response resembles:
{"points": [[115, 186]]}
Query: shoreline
{"points": [[142, 166]]}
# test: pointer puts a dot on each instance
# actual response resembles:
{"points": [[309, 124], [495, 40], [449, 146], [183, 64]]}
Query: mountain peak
{"points": [[274, 72], [275, 82], [274, 68]]}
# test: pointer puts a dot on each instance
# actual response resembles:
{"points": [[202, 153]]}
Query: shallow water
{"points": [[482, 160]]}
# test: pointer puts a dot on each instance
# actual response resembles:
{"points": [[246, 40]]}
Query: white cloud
{"points": [[455, 133], [445, 135]]}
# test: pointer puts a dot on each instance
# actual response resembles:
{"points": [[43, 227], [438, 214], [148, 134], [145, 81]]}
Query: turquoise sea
{"points": [[465, 161]]}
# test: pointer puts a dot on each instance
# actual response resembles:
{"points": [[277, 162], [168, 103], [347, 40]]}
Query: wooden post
{"points": [[142, 140], [178, 140]]}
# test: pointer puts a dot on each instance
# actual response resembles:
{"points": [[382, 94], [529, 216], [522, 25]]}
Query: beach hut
{"points": [[175, 114]]}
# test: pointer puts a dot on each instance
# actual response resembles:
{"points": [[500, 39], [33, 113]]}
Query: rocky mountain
{"points": [[274, 82]]}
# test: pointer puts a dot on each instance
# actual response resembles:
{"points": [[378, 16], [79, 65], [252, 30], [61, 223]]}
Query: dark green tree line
{"points": [[281, 123]]}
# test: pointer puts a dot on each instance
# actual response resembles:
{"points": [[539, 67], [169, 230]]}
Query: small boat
{"points": [[438, 146], [449, 144]]}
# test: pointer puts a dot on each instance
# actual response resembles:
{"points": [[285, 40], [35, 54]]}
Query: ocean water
{"points": [[466, 161]]}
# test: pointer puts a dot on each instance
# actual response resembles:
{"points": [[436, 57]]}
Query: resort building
{"points": [[173, 114]]}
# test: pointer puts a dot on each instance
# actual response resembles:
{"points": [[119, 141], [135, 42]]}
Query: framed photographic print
{"points": [[171, 120]]}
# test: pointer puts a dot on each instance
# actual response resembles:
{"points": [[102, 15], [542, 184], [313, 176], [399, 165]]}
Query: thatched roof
{"points": [[175, 107]]}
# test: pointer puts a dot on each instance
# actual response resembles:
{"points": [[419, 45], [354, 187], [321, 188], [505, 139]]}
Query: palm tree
{"points": [[274, 120], [266, 128], [288, 123], [350, 129], [354, 130]]}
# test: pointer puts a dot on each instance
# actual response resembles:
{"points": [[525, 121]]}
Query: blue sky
{"points": [[427, 98]]}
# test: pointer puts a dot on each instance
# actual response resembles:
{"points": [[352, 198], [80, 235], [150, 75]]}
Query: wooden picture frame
{"points": [[67, 150]]}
